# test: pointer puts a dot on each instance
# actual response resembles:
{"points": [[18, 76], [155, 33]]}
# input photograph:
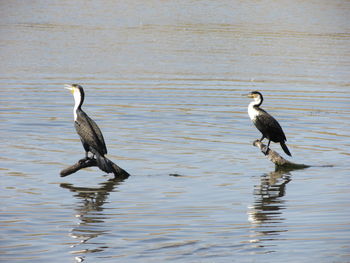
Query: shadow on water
{"points": [[89, 211], [266, 214]]}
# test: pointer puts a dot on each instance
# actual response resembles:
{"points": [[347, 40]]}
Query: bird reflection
{"points": [[266, 214], [89, 211]]}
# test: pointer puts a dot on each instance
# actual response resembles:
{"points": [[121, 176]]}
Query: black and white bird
{"points": [[90, 134], [265, 123]]}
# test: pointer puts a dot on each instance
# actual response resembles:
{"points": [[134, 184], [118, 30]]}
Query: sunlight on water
{"points": [[166, 83]]}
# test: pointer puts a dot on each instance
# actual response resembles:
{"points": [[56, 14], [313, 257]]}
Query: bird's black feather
{"points": [[90, 134], [269, 127]]}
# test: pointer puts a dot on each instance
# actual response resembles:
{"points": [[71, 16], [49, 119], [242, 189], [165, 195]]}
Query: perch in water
{"points": [[265, 123], [278, 160], [91, 137]]}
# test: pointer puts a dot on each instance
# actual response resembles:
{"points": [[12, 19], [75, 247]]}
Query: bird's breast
{"points": [[253, 113]]}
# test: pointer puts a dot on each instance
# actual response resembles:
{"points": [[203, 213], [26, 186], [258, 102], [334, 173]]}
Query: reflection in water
{"points": [[89, 210], [266, 213]]}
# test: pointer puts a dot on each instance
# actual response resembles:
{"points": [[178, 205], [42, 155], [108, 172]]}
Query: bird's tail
{"points": [[285, 148], [108, 166], [104, 163]]}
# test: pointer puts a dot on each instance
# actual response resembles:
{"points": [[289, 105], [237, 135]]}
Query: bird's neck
{"points": [[78, 102], [257, 101], [253, 110]]}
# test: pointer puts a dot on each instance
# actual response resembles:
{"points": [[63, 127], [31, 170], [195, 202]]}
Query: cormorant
{"points": [[90, 134], [265, 123]]}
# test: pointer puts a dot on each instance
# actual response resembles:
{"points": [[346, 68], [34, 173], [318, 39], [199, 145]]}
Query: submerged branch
{"points": [[89, 162], [277, 159]]}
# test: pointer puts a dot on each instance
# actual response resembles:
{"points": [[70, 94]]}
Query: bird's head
{"points": [[77, 91], [73, 88], [254, 95], [257, 96]]}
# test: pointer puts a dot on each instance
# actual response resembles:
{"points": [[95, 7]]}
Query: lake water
{"points": [[164, 80]]}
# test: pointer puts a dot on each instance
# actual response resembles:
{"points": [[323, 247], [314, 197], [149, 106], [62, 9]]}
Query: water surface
{"points": [[164, 81]]}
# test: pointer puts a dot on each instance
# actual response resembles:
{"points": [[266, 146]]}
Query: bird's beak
{"points": [[69, 87], [249, 95]]}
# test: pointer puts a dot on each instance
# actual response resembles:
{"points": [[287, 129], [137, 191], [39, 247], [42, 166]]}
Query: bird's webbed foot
{"points": [[265, 150], [87, 158], [84, 159]]}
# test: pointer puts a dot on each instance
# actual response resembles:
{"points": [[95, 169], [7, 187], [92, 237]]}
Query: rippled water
{"points": [[164, 81]]}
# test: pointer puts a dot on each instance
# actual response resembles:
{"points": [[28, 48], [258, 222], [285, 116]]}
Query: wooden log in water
{"points": [[90, 162], [277, 159]]}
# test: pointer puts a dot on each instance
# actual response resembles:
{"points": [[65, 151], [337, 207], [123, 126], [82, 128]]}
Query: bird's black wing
{"points": [[90, 133], [99, 135], [270, 127]]}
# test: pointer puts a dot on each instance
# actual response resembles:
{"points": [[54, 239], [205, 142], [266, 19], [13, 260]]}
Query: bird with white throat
{"points": [[90, 134], [265, 123]]}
